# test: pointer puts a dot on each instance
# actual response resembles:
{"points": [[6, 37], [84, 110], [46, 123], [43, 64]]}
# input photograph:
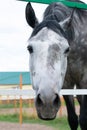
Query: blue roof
{"points": [[14, 78]]}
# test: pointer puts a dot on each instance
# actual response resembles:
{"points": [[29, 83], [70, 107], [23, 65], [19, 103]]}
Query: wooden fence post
{"points": [[8, 100], [30, 104], [20, 118], [61, 108], [0, 99], [15, 104]]}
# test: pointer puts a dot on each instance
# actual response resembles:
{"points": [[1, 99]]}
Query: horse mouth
{"points": [[47, 113], [46, 118]]}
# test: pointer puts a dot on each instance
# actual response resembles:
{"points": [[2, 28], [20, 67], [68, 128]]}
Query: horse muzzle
{"points": [[47, 106]]}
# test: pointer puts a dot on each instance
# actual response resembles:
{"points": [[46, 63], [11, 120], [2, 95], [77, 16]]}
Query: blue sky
{"points": [[14, 32]]}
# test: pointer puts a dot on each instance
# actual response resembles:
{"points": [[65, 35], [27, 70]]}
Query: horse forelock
{"points": [[50, 24]]}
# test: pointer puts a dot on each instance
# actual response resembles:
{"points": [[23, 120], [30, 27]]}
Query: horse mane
{"points": [[57, 12]]}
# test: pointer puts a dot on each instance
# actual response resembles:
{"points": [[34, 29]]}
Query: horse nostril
{"points": [[39, 101], [56, 101]]}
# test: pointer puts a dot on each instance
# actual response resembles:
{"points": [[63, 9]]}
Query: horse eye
{"points": [[67, 51], [30, 49]]}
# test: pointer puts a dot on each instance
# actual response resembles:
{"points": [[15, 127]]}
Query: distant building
{"points": [[12, 80]]}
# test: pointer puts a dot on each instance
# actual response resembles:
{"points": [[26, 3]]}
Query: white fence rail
{"points": [[73, 92], [31, 94]]}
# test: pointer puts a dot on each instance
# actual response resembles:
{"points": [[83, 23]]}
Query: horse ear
{"points": [[66, 24], [30, 16]]}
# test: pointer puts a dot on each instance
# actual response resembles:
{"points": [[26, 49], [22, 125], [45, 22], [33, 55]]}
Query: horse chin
{"points": [[46, 118], [47, 114]]}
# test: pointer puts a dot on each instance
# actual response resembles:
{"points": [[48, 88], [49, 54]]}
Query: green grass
{"points": [[10, 118], [11, 105], [6, 106], [58, 123]]}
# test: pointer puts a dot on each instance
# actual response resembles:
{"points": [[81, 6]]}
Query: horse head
{"points": [[48, 48]]}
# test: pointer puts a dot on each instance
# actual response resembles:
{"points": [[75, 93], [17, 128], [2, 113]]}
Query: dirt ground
{"points": [[15, 126]]}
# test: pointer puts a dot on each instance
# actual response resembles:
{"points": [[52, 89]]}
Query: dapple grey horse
{"points": [[58, 59]]}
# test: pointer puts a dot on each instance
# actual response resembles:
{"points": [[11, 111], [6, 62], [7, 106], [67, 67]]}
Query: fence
{"points": [[30, 94]]}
